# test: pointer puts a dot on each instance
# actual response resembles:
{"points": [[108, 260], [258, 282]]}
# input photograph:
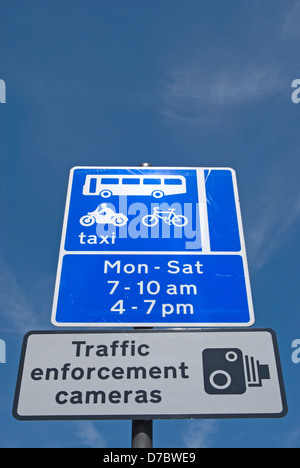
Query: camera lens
{"points": [[231, 356], [220, 380]]}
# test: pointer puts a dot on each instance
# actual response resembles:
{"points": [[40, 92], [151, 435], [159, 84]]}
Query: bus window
{"points": [[152, 181], [173, 181], [93, 185], [109, 181], [131, 181]]}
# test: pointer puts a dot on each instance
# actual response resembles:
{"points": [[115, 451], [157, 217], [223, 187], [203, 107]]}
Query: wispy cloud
{"points": [[190, 88], [16, 310], [290, 28], [89, 435], [212, 75], [211, 91], [273, 209], [200, 434], [292, 437], [200, 93]]}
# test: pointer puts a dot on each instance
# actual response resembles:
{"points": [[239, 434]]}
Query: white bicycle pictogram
{"points": [[168, 216]]}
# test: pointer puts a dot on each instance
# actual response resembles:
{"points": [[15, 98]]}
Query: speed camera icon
{"points": [[227, 371]]}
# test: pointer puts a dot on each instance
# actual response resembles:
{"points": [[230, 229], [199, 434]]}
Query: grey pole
{"points": [[142, 429], [142, 433]]}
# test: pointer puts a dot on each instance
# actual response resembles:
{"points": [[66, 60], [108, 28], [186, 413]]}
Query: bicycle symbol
{"points": [[169, 217]]}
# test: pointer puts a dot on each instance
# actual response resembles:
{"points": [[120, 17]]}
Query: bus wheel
{"points": [[157, 194], [106, 193]]}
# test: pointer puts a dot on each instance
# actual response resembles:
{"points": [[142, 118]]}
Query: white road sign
{"points": [[150, 374]]}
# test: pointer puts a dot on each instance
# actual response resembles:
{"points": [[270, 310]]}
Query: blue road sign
{"points": [[152, 246]]}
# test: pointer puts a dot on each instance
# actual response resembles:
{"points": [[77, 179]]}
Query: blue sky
{"points": [[174, 83]]}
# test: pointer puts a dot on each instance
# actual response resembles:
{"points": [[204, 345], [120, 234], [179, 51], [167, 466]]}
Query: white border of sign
{"points": [[205, 251]]}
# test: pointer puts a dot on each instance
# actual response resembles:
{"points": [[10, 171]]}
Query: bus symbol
{"points": [[141, 185]]}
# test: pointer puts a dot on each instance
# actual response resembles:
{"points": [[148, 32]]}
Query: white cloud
{"points": [[292, 437], [17, 312], [199, 434], [198, 93], [214, 76], [191, 87], [290, 28], [273, 209], [269, 232], [212, 92], [88, 435]]}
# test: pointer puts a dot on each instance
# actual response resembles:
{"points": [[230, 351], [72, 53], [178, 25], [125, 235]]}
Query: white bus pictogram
{"points": [[149, 185]]}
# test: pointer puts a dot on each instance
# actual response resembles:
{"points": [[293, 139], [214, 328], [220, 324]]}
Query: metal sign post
{"points": [[142, 430], [142, 434]]}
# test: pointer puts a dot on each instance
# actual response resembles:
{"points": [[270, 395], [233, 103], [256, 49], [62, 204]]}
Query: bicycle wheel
{"points": [[150, 220], [179, 221]]}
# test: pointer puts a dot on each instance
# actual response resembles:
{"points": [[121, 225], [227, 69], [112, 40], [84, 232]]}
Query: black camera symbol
{"points": [[228, 372]]}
